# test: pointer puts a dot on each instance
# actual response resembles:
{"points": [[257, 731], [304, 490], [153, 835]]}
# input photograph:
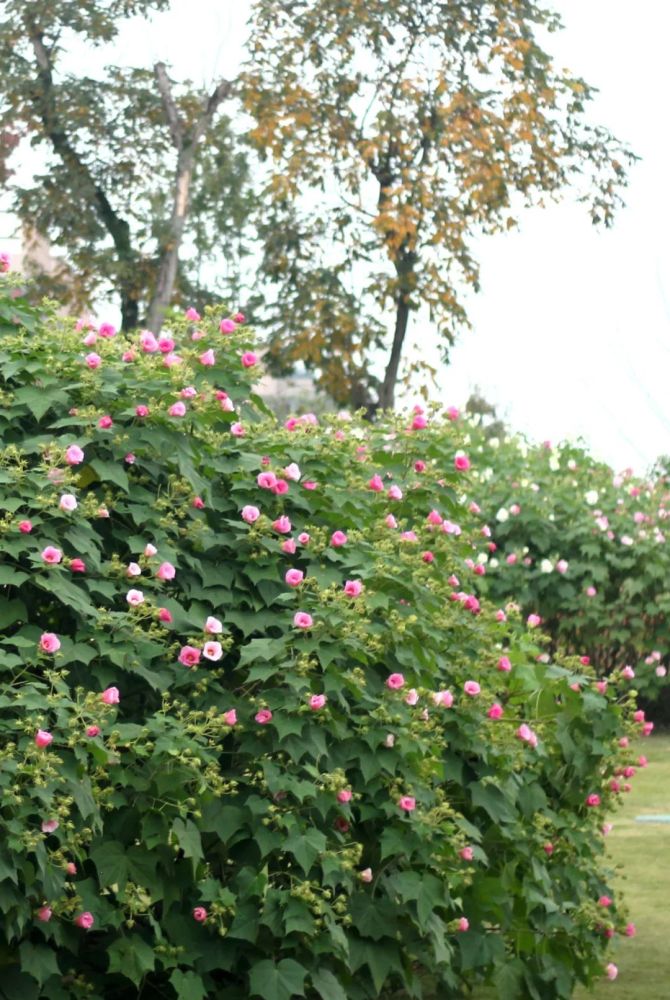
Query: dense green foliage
{"points": [[205, 796], [548, 506]]}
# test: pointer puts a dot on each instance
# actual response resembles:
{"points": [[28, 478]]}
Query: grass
{"points": [[640, 853]]}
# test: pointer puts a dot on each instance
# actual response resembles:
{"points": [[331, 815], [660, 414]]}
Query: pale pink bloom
{"points": [[266, 480], [51, 555], [303, 538], [250, 514], [561, 566], [44, 914], [43, 738], [188, 392], [660, 671], [390, 521], [93, 360], [150, 550], [166, 571], [389, 740], [212, 650], [611, 971], [601, 687], [133, 569], [317, 701], [294, 577], [628, 673], [533, 620], [462, 463], [591, 591], [177, 409], [463, 925], [630, 930], [110, 696], [192, 314], [49, 642], [135, 598], [208, 358], [338, 539], [227, 405], [408, 536], [466, 853], [472, 688], [130, 458], [49, 825], [365, 875], [511, 558], [71, 868], [407, 802], [171, 359], [189, 656], [605, 901], [504, 664], [495, 711], [376, 484], [353, 588], [395, 681], [230, 717], [453, 581], [107, 330], [288, 546], [282, 524], [292, 472], [445, 699], [501, 616], [128, 356], [237, 430], [85, 920], [344, 795], [74, 454], [213, 626], [302, 620], [394, 493], [227, 326], [412, 696], [249, 359], [434, 517], [263, 716]]}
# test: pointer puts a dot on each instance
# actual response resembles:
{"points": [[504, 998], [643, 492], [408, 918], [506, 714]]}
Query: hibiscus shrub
{"points": [[585, 548], [256, 739]]}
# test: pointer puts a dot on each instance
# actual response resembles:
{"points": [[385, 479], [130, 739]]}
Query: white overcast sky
{"points": [[571, 332]]}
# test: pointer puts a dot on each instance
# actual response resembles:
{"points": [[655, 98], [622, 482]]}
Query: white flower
{"points": [[572, 465], [546, 566], [494, 442], [493, 563], [135, 597], [626, 540], [554, 464], [502, 515], [67, 502], [482, 558], [591, 497]]}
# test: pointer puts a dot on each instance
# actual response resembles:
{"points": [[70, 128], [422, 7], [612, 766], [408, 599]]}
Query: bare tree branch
{"points": [[169, 106]]}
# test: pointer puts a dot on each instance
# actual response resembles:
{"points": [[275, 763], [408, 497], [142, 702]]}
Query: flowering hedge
{"points": [[256, 738], [584, 547]]}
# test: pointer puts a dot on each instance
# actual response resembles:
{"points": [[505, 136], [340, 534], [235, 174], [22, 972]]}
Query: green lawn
{"points": [[641, 851]]}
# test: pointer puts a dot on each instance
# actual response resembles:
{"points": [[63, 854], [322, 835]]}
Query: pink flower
{"points": [[282, 525], [171, 359], [471, 688], [230, 717], [317, 701], [365, 875], [288, 546], [495, 711], [142, 410], [292, 472], [463, 925], [390, 521], [43, 738], [105, 422], [177, 409], [501, 616], [128, 356], [428, 556], [250, 514], [198, 503], [630, 930], [44, 914], [408, 536], [561, 566], [593, 800], [77, 566], [504, 664], [192, 314], [394, 493], [611, 971], [294, 577], [419, 466], [412, 696], [110, 696], [164, 615], [212, 651], [419, 422], [134, 569], [263, 717], [353, 588], [239, 317], [189, 656], [208, 358], [213, 626], [628, 673], [533, 621], [281, 487], [227, 326], [25, 527], [74, 454], [93, 360], [266, 480], [150, 550], [407, 802], [107, 330], [49, 825], [200, 914], [85, 920], [344, 795], [338, 539], [51, 555], [303, 538], [395, 681], [462, 463], [526, 734], [92, 731], [466, 853], [604, 901], [165, 571], [376, 484], [189, 392], [249, 359], [71, 868], [49, 642], [302, 620]]}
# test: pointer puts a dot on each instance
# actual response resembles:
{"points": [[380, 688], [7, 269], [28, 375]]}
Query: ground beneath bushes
{"points": [[641, 852]]}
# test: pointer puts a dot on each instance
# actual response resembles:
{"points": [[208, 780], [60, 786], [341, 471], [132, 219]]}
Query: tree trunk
{"points": [[167, 271], [387, 390], [130, 311]]}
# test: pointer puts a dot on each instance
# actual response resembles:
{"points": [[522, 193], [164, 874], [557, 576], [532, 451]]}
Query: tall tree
{"points": [[124, 152], [394, 133]]}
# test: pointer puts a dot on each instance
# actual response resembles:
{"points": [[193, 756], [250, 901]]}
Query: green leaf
{"points": [[132, 957], [10, 576], [305, 846], [39, 961], [111, 860], [11, 612], [327, 986], [111, 472], [188, 985], [188, 838], [277, 982]]}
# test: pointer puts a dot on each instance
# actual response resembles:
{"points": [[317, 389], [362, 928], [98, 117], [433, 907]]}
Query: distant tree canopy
{"points": [[385, 136]]}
